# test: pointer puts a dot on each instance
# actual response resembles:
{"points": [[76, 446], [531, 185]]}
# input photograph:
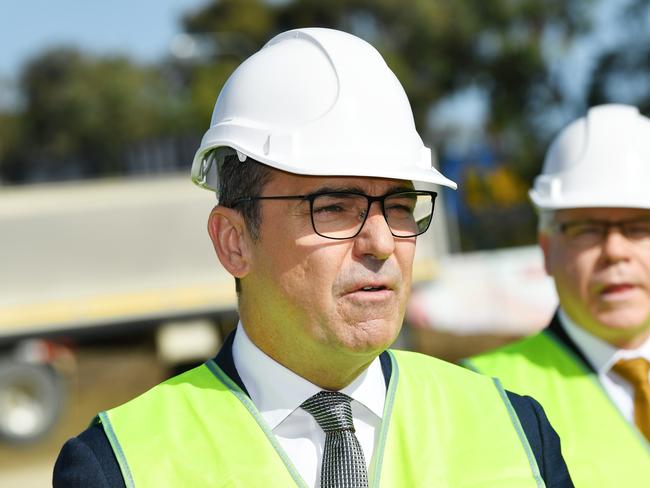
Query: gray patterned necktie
{"points": [[343, 463]]}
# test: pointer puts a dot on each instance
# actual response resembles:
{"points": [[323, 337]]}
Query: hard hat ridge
{"points": [[318, 102]]}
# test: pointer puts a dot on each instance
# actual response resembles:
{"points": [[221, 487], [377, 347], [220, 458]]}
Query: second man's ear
{"points": [[230, 239]]}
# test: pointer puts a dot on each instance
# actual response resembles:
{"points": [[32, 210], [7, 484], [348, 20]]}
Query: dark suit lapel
{"points": [[557, 331], [227, 364]]}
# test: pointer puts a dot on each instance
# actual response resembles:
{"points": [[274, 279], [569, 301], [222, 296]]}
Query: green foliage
{"points": [[204, 86], [83, 108], [80, 108], [621, 70]]}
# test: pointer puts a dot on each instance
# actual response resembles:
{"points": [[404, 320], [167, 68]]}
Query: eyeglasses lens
{"points": [[341, 215]]}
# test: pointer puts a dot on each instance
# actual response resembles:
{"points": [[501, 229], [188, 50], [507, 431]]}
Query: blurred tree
{"points": [[80, 113], [621, 69], [10, 137]]}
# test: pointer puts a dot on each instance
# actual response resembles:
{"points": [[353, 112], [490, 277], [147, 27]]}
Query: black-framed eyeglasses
{"points": [[588, 233], [342, 214]]}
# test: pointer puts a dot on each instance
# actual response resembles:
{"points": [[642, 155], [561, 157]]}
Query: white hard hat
{"points": [[317, 102], [600, 160]]}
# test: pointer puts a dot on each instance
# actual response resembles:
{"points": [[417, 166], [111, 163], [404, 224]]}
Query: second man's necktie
{"points": [[635, 371]]}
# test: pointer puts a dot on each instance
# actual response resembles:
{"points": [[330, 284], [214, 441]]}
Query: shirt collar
{"points": [[601, 354], [277, 391]]}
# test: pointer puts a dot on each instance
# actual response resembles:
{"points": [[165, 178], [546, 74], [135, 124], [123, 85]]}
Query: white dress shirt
{"points": [[603, 356], [278, 392]]}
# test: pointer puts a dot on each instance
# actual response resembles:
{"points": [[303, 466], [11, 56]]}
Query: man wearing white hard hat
{"points": [[590, 367], [313, 153]]}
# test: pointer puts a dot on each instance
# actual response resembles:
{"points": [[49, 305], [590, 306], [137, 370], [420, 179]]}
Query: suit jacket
{"points": [[88, 460], [558, 331]]}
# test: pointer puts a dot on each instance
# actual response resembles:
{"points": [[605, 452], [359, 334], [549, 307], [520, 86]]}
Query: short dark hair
{"points": [[238, 179]]}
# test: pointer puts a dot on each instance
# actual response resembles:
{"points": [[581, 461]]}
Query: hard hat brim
{"points": [[201, 174]]}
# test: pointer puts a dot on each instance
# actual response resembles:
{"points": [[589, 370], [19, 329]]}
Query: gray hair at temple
{"points": [[545, 221]]}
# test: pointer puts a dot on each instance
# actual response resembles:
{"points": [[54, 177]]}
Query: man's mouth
{"points": [[615, 290], [370, 291], [373, 288]]}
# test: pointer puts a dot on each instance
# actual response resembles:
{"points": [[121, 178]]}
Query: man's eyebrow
{"points": [[358, 189]]}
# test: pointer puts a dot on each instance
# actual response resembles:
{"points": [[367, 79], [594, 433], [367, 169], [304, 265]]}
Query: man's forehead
{"points": [[307, 184], [601, 213]]}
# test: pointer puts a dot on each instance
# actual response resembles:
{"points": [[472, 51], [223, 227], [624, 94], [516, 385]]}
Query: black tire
{"points": [[31, 397]]}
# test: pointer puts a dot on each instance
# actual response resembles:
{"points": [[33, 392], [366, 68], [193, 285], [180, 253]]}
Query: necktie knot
{"points": [[331, 409], [635, 371]]}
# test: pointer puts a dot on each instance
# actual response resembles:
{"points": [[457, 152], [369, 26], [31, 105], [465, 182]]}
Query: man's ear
{"points": [[230, 239], [545, 244]]}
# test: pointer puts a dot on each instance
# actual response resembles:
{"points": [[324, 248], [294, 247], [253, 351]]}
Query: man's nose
{"points": [[375, 238], [615, 245]]}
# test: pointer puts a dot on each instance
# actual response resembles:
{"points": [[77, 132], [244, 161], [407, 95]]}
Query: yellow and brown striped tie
{"points": [[635, 371]]}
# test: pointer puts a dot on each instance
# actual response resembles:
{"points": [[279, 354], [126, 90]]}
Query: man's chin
{"points": [[622, 319], [370, 338], [622, 327]]}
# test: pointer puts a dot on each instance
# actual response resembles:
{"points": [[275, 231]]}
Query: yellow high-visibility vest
{"points": [[442, 426], [600, 448]]}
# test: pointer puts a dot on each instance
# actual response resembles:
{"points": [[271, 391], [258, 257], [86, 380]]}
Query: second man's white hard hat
{"points": [[600, 160], [317, 102]]}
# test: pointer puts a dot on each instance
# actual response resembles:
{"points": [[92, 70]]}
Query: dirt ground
{"points": [[105, 377]]}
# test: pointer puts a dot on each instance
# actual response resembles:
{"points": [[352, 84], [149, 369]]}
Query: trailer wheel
{"points": [[30, 400]]}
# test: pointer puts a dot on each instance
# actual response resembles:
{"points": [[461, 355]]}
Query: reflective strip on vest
{"points": [[600, 448], [442, 426]]}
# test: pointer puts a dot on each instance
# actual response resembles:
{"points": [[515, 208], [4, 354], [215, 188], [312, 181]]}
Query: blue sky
{"points": [[141, 29]]}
